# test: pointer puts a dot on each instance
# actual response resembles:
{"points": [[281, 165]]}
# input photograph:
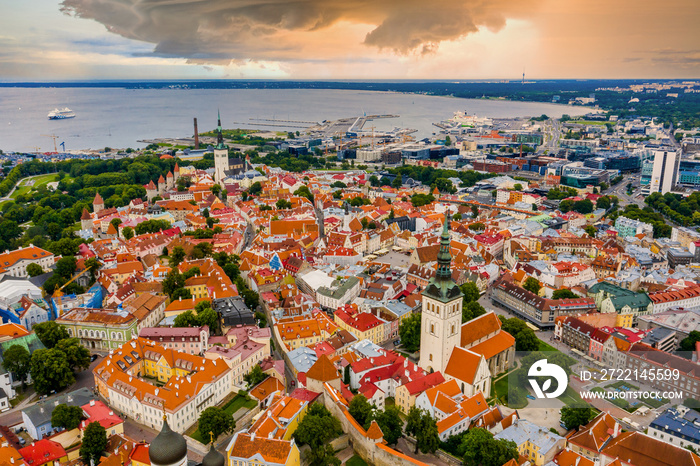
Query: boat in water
{"points": [[61, 114]]}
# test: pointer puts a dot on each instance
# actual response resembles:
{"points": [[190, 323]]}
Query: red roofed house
{"points": [[43, 452], [96, 411]]}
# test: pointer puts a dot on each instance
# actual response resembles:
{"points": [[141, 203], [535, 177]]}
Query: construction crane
{"points": [[58, 293], [54, 137]]}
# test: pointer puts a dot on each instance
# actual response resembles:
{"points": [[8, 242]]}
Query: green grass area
{"points": [[590, 122], [570, 397], [619, 402], [238, 402], [546, 347], [356, 461], [499, 391], [656, 403]]}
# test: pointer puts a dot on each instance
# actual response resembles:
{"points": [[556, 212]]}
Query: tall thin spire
{"points": [[219, 134], [444, 257]]}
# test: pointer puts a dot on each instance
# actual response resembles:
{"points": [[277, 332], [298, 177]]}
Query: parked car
{"points": [[531, 397], [93, 358]]}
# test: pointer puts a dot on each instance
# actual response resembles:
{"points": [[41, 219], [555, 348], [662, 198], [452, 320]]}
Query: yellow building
{"points": [[364, 325]]}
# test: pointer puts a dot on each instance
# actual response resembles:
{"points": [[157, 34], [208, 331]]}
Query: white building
{"points": [[14, 263], [664, 172]]}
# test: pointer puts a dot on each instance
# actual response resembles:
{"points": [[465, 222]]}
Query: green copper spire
{"points": [[442, 287], [444, 257], [219, 135]]}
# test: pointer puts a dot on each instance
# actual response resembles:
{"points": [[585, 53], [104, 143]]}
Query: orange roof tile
{"points": [[323, 370], [463, 364], [374, 432]]}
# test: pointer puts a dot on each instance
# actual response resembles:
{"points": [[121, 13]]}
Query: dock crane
{"points": [[54, 137]]}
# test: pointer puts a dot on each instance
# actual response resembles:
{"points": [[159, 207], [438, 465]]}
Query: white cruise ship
{"points": [[61, 114]]}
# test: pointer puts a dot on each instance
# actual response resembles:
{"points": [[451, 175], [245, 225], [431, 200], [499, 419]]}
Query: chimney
{"points": [[196, 135], [92, 402]]}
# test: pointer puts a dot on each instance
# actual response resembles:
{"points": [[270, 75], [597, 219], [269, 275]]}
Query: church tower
{"points": [[441, 316], [220, 156]]}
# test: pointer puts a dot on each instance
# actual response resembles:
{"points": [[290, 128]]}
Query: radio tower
{"points": [[523, 75]]}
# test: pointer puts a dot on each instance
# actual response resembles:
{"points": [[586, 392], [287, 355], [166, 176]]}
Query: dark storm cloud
{"points": [[220, 30]]}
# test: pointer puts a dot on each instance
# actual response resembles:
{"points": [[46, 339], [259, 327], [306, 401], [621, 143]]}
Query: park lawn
{"points": [[237, 403], [44, 180], [356, 461], [570, 397], [546, 347]]}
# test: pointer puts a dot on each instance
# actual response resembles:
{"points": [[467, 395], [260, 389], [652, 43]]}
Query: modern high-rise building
{"points": [[662, 173]]}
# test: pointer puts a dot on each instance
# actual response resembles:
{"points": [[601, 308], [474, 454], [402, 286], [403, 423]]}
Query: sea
{"points": [[121, 117]]}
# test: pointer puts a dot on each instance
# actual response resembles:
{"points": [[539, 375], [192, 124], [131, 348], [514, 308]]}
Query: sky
{"points": [[52, 40]]}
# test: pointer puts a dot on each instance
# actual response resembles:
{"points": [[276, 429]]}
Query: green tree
{"points": [[688, 343], [255, 189], [482, 449], [318, 427], [472, 310], [518, 187], [255, 376], [216, 421], [525, 338], [34, 269], [475, 211], [50, 370], [177, 255], [65, 267], [173, 281], [564, 294], [603, 203], [576, 415], [590, 230], [186, 319], [16, 360], [322, 456], [448, 141], [66, 417], [428, 438], [210, 318], [77, 355], [470, 291], [410, 331], [584, 206], [397, 183], [346, 375], [50, 333], [94, 443], [413, 421], [391, 424], [116, 222], [361, 410], [532, 285], [127, 233], [457, 217]]}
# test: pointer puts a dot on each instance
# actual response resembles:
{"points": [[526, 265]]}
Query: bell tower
{"points": [[441, 316], [220, 155]]}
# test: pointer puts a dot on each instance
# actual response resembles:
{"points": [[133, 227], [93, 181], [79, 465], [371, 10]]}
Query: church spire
{"points": [[444, 257], [219, 134]]}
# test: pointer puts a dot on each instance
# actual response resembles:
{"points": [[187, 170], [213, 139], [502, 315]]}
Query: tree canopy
{"points": [[410, 332], [216, 421], [94, 443], [66, 417]]}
